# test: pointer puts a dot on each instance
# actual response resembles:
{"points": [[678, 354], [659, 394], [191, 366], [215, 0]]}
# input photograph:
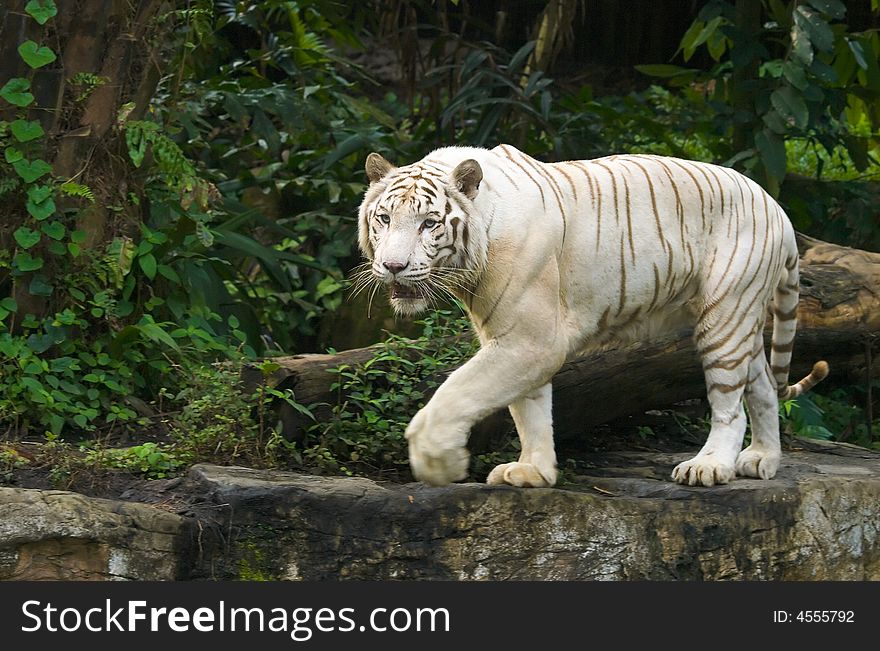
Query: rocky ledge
{"points": [[818, 520]]}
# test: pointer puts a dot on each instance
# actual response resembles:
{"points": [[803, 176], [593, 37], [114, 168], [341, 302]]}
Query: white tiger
{"points": [[552, 259]]}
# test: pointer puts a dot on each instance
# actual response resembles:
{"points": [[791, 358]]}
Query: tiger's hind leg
{"points": [[726, 351], [761, 458], [536, 467]]}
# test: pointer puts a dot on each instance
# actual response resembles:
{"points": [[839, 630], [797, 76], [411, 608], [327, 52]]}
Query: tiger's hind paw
{"points": [[757, 463], [524, 475]]}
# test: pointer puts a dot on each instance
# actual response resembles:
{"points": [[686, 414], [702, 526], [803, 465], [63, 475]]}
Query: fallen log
{"points": [[838, 316]]}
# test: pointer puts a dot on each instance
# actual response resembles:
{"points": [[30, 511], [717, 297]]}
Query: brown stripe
{"points": [[699, 190], [654, 208], [727, 388], [508, 177], [554, 186], [579, 165], [614, 188], [699, 167], [532, 178], [679, 209], [785, 316], [630, 319], [728, 364], [779, 370], [603, 320], [497, 301], [559, 169], [710, 169], [656, 287], [783, 348], [622, 281], [629, 226]]}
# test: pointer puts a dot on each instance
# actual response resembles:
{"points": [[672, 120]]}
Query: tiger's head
{"points": [[421, 232]]}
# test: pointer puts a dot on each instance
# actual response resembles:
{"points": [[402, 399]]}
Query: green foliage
{"points": [[820, 89], [41, 10], [377, 398], [10, 460], [148, 459], [835, 416], [119, 314], [85, 83]]}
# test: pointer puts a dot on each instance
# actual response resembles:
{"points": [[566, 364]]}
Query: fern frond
{"points": [[72, 189]]}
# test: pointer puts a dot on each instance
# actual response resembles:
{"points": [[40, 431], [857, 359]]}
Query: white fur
{"points": [[569, 256]]}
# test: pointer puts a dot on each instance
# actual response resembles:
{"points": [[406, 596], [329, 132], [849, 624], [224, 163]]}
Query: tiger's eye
{"points": [[385, 219], [429, 223]]}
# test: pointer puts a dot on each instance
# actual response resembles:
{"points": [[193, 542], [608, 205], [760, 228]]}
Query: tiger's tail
{"points": [[785, 303]]}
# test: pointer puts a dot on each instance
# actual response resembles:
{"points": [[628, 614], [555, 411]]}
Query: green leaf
{"points": [[773, 120], [795, 75], [772, 149], [73, 249], [55, 230], [12, 155], [148, 265], [8, 303], [30, 171], [15, 91], [858, 151], [26, 237], [24, 262], [800, 45], [791, 106], [39, 286], [41, 211], [706, 32], [36, 56], [169, 273], [41, 10], [858, 52], [664, 70], [816, 28], [78, 237], [39, 193], [57, 248], [834, 8], [26, 130], [155, 332]]}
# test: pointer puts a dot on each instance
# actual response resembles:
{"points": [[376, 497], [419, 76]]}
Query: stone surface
{"points": [[58, 535], [817, 521], [622, 520]]}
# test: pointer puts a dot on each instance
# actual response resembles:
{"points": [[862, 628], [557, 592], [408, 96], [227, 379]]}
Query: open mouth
{"points": [[399, 290]]}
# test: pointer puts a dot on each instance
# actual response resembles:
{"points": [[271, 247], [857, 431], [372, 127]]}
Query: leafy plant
{"points": [[376, 399], [819, 86]]}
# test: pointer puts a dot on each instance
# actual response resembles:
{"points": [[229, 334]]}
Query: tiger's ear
{"points": [[377, 167], [467, 177]]}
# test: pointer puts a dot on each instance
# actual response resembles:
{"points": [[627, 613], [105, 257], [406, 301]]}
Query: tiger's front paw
{"points": [[437, 454], [703, 471], [524, 475]]}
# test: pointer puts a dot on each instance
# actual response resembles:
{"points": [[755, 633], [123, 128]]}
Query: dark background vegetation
{"points": [[179, 186]]}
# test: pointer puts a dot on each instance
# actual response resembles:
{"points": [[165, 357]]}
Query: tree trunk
{"points": [[838, 315], [105, 59]]}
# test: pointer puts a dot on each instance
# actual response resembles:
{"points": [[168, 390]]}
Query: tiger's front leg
{"points": [[495, 377]]}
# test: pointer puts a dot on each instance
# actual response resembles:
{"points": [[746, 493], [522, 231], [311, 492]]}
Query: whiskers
{"points": [[441, 284], [361, 279]]}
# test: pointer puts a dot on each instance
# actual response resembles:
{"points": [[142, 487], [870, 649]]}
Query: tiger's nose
{"points": [[395, 267]]}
